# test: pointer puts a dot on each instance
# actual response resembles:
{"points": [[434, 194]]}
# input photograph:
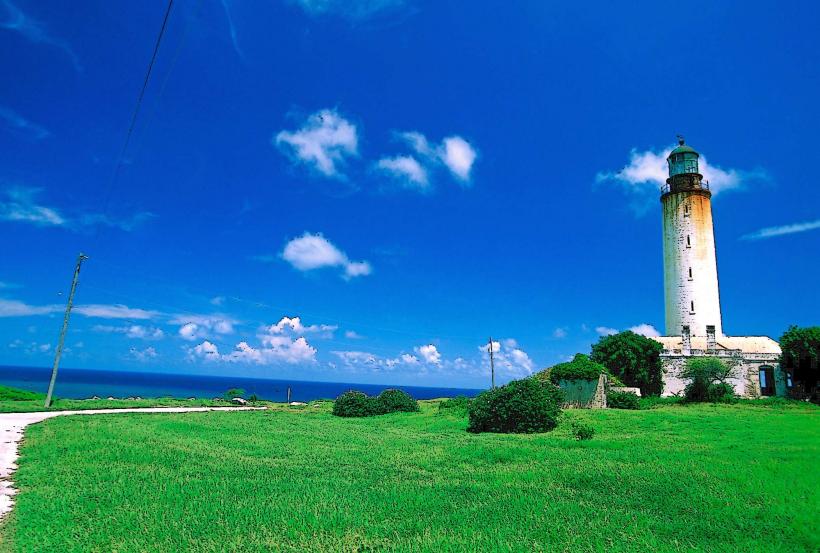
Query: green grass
{"points": [[13, 400], [677, 478]]}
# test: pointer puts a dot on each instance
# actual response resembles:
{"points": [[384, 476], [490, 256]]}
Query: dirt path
{"points": [[12, 426]]}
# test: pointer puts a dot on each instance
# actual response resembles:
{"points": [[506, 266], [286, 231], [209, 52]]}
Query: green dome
{"points": [[683, 149]]}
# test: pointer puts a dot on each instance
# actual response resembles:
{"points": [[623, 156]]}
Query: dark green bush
{"points": [[396, 401], [234, 392], [355, 404], [580, 368], [582, 431], [522, 406], [457, 406], [622, 400], [707, 380]]}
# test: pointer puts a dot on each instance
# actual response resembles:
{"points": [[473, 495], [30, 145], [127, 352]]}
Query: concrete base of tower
{"points": [[755, 359]]}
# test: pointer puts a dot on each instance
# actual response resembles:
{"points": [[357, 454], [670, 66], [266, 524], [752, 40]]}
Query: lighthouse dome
{"points": [[683, 159]]}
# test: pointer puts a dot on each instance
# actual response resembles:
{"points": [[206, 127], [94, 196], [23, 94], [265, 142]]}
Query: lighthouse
{"points": [[691, 292]]}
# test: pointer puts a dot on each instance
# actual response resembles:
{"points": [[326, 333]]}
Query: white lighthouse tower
{"points": [[689, 260]]}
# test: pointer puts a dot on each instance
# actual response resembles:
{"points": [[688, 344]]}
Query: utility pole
{"points": [[82, 257], [492, 364]]}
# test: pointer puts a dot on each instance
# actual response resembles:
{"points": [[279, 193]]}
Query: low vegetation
{"points": [[708, 378], [287, 480], [13, 400], [580, 368], [622, 400], [359, 404], [523, 406]]}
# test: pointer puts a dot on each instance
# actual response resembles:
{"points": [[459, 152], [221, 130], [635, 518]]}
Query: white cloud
{"points": [[16, 20], [429, 353], [193, 327], [353, 335], [295, 326], [276, 349], [218, 300], [143, 354], [647, 171], [14, 308], [454, 153], [770, 232], [324, 142], [559, 333], [115, 311], [645, 330], [406, 169], [314, 251], [132, 331], [350, 9], [22, 125], [21, 206], [509, 359], [458, 156]]}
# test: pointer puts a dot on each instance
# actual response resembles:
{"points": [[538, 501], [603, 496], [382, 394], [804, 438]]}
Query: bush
{"points": [[396, 401], [522, 406], [358, 404], [234, 392], [622, 400], [582, 431], [580, 368], [632, 358], [355, 404], [707, 380], [457, 406]]}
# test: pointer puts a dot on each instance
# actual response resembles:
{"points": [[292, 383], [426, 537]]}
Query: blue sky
{"points": [[366, 190]]}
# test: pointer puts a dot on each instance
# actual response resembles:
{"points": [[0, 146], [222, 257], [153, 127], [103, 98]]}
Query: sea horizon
{"points": [[86, 383]]}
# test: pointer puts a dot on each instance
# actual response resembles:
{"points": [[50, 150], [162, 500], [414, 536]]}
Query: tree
{"points": [[801, 352], [634, 359], [707, 379]]}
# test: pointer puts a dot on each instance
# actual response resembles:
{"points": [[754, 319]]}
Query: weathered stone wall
{"points": [[690, 266], [746, 380]]}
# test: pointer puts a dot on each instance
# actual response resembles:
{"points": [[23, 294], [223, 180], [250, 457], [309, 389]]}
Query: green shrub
{"points": [[707, 380], [396, 401], [355, 404], [622, 400], [457, 406], [580, 368], [633, 359], [234, 392], [522, 406], [582, 431]]}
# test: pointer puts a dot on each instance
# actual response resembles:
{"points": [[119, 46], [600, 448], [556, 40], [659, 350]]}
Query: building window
{"points": [[688, 242], [766, 375], [789, 382]]}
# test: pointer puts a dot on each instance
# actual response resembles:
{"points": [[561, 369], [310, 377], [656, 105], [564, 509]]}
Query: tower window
{"points": [[686, 210], [688, 241], [691, 306], [690, 273]]}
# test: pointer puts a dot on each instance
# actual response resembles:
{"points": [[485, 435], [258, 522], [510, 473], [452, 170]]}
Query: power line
{"points": [[137, 107]]}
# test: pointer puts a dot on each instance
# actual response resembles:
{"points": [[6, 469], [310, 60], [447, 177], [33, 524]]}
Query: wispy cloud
{"points": [[647, 171], [143, 355], [132, 331], [16, 308], [21, 125], [771, 232], [17, 21], [643, 329], [313, 251], [232, 29], [324, 143], [350, 9], [21, 206]]}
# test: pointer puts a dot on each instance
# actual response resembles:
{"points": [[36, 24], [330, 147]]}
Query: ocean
{"points": [[81, 383]]}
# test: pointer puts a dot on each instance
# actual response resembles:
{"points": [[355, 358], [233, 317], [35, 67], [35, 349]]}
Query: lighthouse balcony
{"points": [[684, 185]]}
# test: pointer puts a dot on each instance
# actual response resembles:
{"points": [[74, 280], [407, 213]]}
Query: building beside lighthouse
{"points": [[694, 326]]}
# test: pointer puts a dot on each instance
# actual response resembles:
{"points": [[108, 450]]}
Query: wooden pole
{"points": [[63, 331], [492, 363], [288, 395]]}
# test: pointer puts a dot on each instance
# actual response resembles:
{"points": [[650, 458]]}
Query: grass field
{"points": [[676, 478], [13, 400]]}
